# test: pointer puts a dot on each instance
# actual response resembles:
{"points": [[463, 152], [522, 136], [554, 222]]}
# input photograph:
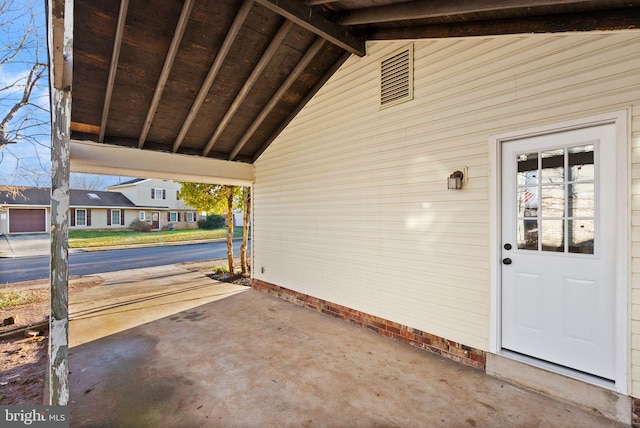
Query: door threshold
{"points": [[560, 369], [587, 391]]}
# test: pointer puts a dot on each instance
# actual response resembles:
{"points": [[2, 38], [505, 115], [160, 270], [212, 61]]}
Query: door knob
{"points": [[506, 261]]}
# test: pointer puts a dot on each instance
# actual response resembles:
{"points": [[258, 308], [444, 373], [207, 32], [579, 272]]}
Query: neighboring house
{"points": [[160, 203], [89, 209], [153, 201]]}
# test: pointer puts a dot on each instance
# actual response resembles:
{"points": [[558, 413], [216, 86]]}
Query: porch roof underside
{"points": [[220, 79]]}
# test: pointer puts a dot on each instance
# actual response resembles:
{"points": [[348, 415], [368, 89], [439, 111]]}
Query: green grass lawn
{"points": [[102, 238]]}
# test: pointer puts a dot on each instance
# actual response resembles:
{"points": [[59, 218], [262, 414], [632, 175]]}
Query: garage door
{"points": [[27, 220]]}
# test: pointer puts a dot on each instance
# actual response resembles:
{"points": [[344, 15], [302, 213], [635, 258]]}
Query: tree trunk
{"points": [[246, 196], [230, 229]]}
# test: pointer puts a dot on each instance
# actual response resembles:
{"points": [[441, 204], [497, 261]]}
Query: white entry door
{"points": [[559, 248]]}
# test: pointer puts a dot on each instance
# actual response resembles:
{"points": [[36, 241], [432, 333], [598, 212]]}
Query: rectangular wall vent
{"points": [[396, 78]]}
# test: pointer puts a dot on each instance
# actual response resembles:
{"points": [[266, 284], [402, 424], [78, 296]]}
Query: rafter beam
{"points": [[429, 9], [166, 68], [232, 33], [113, 67], [251, 80], [616, 19], [319, 2], [299, 68], [310, 20]]}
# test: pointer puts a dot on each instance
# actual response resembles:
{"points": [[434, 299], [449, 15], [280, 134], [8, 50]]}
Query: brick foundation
{"points": [[429, 342], [635, 415]]}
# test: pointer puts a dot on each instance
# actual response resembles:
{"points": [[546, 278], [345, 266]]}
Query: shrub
{"points": [[211, 222], [221, 269], [10, 298], [140, 226]]}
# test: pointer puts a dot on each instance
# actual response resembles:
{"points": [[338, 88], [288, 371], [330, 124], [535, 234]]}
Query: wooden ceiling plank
{"points": [[113, 67], [238, 21], [290, 80], [310, 20], [319, 84], [430, 9], [251, 80], [615, 19], [166, 69]]}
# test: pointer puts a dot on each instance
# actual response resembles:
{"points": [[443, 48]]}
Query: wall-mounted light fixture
{"points": [[454, 182]]}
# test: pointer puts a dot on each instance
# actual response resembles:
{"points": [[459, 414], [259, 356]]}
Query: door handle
{"points": [[506, 261]]}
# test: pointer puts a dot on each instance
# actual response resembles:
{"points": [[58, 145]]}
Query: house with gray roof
{"points": [[28, 211], [156, 202]]}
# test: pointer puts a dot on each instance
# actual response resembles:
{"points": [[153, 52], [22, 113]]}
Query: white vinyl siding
{"points": [[635, 249], [351, 203]]}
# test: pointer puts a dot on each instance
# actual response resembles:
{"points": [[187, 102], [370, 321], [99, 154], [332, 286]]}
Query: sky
{"points": [[27, 161]]}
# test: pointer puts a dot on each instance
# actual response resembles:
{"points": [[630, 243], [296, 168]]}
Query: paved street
{"points": [[86, 263]]}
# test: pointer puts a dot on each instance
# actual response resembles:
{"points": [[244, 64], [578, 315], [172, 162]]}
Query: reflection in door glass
{"points": [[581, 165], [527, 169], [553, 166], [581, 236], [552, 200], [552, 235], [581, 200], [528, 201], [555, 197], [527, 234]]}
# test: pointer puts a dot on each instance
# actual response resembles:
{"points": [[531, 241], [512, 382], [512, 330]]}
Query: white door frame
{"points": [[621, 120]]}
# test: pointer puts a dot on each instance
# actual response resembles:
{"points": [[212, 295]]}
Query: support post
{"points": [[60, 43]]}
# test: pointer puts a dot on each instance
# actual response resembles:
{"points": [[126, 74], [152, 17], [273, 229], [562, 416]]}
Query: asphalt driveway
{"points": [[247, 359]]}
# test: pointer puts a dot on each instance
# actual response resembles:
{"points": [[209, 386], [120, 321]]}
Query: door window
{"points": [[556, 200]]}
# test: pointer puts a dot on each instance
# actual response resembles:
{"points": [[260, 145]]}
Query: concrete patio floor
{"points": [[247, 359]]}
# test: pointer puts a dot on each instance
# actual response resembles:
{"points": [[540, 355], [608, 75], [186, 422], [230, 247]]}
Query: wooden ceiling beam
{"points": [[319, 84], [166, 69], [310, 20], [290, 80], [85, 128], [275, 43], [113, 67], [429, 9], [319, 2], [616, 19], [232, 33]]}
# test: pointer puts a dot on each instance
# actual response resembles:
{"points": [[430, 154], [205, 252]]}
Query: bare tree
{"points": [[24, 117], [87, 181]]}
